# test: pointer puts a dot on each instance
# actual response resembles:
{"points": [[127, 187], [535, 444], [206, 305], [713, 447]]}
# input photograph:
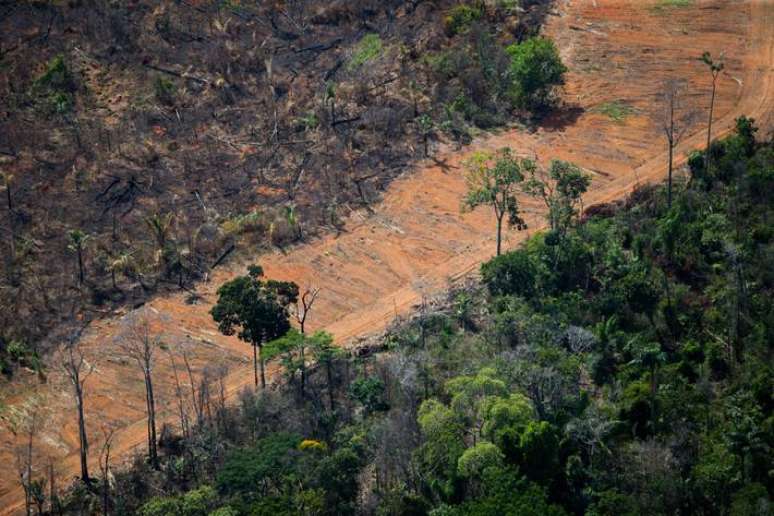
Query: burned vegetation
{"points": [[141, 143]]}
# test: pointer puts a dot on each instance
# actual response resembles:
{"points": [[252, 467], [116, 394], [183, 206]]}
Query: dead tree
{"points": [[140, 345], [24, 423], [104, 466], [77, 370], [300, 313], [675, 123], [183, 413]]}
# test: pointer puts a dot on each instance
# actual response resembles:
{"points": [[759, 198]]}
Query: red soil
{"points": [[417, 240]]}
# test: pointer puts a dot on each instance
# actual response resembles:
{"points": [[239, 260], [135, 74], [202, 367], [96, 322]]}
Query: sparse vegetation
{"points": [[461, 17], [616, 110], [367, 49]]}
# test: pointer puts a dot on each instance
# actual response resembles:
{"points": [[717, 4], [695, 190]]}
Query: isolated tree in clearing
{"points": [[535, 70], [493, 180], [140, 345], [715, 68], [78, 371], [256, 310]]}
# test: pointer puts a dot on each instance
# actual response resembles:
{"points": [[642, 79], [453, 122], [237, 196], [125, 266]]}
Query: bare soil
{"points": [[416, 241]]}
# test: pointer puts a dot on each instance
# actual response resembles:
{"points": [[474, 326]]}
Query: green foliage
{"points": [[461, 17], [198, 502], [512, 273], [476, 459], [535, 69], [367, 49], [616, 110], [55, 87], [560, 188], [165, 90], [254, 309], [369, 392], [57, 76], [258, 469], [493, 179]]}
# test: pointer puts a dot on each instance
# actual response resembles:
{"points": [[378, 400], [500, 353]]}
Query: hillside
{"points": [[382, 262], [164, 135]]}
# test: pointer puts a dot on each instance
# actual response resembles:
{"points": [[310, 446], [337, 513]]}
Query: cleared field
{"points": [[416, 241]]}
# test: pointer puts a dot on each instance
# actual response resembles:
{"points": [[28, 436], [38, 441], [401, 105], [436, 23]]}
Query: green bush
{"points": [[57, 76], [461, 17], [512, 273], [535, 70], [246, 469], [367, 49]]}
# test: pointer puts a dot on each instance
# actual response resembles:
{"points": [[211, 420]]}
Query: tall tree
{"points": [[715, 68], [140, 345], [256, 310], [77, 245], [675, 123], [561, 188], [325, 353], [301, 313], [493, 180], [78, 371]]}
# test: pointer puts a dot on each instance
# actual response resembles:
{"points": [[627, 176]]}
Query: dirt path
{"points": [[417, 240]]}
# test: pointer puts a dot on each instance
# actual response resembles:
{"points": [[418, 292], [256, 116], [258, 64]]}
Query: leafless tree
{"points": [[77, 371], [104, 466], [301, 312], [140, 345], [25, 422], [675, 123], [181, 405]]}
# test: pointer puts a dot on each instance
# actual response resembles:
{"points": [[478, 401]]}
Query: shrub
{"points": [[370, 393], [165, 91], [57, 76], [512, 273], [461, 17], [367, 49]]}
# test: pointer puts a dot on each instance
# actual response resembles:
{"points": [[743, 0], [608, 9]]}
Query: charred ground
{"points": [[154, 139]]}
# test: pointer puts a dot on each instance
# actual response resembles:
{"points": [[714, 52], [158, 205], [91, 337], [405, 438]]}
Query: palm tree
{"points": [[123, 263], [715, 67], [160, 226], [77, 244]]}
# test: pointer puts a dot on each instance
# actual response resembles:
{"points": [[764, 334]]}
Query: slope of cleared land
{"points": [[619, 53]]}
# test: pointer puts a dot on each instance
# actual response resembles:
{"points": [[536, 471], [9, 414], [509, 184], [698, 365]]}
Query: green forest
{"points": [[616, 364]]}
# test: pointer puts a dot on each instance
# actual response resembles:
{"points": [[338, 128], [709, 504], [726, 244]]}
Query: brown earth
{"points": [[417, 240]]}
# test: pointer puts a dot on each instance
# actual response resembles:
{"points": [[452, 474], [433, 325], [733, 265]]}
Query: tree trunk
{"points": [[152, 453], [80, 266], [329, 375], [260, 363], [669, 176], [255, 364], [84, 448], [303, 366], [709, 130], [499, 231]]}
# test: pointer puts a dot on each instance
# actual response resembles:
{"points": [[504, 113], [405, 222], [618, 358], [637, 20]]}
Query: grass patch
{"points": [[617, 111], [665, 5], [367, 49]]}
